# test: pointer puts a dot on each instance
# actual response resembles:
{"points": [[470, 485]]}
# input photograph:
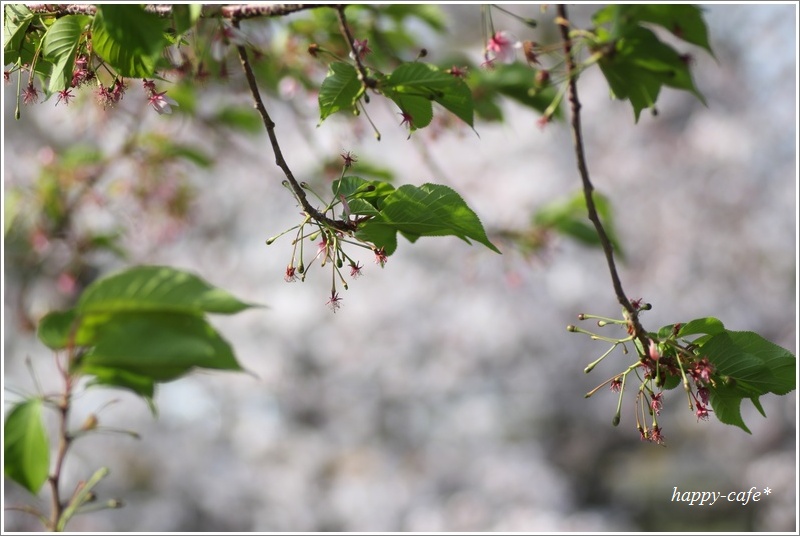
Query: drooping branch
{"points": [[588, 188], [269, 125], [232, 11]]}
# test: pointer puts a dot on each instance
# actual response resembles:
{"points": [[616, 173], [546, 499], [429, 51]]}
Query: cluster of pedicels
{"points": [[87, 65], [663, 364], [329, 243]]}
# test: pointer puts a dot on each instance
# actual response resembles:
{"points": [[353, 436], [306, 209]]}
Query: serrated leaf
{"points": [[753, 361], [708, 325], [685, 21], [419, 109], [726, 403], [26, 450], [60, 45], [427, 210], [413, 84], [640, 65], [751, 366], [159, 346], [157, 288], [16, 19], [128, 38], [340, 90], [516, 81]]}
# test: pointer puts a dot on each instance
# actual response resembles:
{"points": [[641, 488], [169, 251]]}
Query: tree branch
{"points": [[588, 188], [299, 193], [233, 12]]}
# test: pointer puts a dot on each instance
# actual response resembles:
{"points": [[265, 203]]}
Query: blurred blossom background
{"points": [[446, 393]]}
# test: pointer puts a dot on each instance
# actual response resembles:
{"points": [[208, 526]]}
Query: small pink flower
{"points": [[65, 95], [502, 47], [702, 412], [333, 303], [355, 270], [616, 384], [652, 351], [656, 436], [66, 283], [458, 72], [656, 404], [291, 274], [407, 120], [361, 49], [380, 256], [149, 86], [30, 95], [349, 158], [227, 36], [161, 103], [701, 371]]}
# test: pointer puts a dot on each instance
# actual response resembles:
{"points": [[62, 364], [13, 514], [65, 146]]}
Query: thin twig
{"points": [[64, 442], [583, 170], [363, 77], [299, 193]]}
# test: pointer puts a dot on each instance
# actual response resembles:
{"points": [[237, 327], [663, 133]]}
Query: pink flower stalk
{"points": [[502, 47], [161, 103]]}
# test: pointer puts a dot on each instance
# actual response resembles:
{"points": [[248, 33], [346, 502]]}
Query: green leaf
{"points": [[194, 154], [685, 21], [516, 81], [157, 288], [185, 16], [357, 189], [159, 346], [708, 325], [340, 90], [142, 385], [241, 118], [128, 38], [56, 327], [419, 109], [60, 45], [640, 65], [412, 85], [26, 450], [726, 403], [570, 218], [427, 210], [16, 19], [750, 359], [751, 366]]}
